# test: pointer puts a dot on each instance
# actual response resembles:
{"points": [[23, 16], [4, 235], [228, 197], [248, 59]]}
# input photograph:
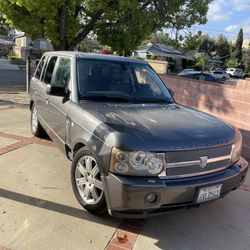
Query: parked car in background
{"points": [[200, 76], [187, 71], [219, 75], [135, 151], [235, 72]]}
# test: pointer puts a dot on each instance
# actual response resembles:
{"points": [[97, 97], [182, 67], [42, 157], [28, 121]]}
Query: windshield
{"points": [[122, 81]]}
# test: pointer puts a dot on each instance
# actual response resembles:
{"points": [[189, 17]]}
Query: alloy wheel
{"points": [[88, 180]]}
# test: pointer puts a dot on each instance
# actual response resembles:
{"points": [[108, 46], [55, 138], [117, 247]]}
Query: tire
{"points": [[36, 128], [86, 182]]}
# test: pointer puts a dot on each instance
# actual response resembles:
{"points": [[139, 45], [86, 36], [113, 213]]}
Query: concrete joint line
{"points": [[15, 146], [22, 141], [125, 235]]}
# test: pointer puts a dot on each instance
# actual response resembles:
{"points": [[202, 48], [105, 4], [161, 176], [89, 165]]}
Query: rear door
{"points": [[46, 79], [37, 88]]}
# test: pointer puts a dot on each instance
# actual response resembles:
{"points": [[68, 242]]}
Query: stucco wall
{"points": [[229, 103]]}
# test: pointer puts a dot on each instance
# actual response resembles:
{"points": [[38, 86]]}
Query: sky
{"points": [[227, 17]]}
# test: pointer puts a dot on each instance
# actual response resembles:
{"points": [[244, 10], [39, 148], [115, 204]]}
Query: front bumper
{"points": [[125, 195]]}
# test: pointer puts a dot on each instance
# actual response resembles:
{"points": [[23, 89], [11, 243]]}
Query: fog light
{"points": [[152, 198]]}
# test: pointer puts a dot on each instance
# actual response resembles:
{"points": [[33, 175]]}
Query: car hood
{"points": [[157, 127]]}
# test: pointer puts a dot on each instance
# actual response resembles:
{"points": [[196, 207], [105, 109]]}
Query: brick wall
{"points": [[229, 103]]}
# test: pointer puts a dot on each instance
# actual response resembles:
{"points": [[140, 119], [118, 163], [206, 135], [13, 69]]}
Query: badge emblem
{"points": [[203, 161]]}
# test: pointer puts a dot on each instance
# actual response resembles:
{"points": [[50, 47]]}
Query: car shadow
{"points": [[57, 207], [222, 224]]}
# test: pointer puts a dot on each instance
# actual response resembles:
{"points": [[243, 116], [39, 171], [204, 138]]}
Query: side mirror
{"points": [[55, 90], [171, 92]]}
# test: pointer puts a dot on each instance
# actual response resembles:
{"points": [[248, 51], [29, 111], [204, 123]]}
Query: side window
{"points": [[40, 68], [50, 69], [61, 75]]}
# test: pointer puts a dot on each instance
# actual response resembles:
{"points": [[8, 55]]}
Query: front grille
{"points": [[194, 155], [195, 169]]}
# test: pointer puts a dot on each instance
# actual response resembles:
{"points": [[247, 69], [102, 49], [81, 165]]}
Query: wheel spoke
{"points": [[86, 192], [88, 164], [94, 193], [81, 181], [82, 170], [95, 171], [98, 184]]}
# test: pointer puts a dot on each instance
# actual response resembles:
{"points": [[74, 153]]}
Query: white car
{"points": [[220, 75], [235, 72]]}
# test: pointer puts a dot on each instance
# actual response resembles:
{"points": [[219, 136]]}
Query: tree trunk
{"points": [[62, 28]]}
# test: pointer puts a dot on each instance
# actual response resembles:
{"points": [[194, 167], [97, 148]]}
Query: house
{"points": [[162, 52], [159, 50], [23, 44]]}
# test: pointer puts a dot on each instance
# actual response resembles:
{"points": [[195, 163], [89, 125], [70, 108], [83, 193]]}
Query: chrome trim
{"points": [[182, 164], [196, 162]]}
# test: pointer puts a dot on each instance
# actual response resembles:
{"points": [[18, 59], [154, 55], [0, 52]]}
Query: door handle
{"points": [[47, 100]]}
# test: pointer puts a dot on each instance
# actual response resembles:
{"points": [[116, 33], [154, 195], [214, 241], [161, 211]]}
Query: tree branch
{"points": [[88, 27]]}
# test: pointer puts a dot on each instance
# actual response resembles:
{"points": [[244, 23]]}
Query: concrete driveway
{"points": [[39, 211]]}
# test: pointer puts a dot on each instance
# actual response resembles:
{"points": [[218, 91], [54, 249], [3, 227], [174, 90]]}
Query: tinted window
{"points": [[61, 76], [40, 68], [50, 69], [136, 81]]}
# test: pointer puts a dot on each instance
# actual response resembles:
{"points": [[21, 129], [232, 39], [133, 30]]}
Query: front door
{"points": [[56, 110]]}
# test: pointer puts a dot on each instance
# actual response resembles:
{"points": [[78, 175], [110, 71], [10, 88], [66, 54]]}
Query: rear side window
{"points": [[40, 68], [50, 69], [61, 75]]}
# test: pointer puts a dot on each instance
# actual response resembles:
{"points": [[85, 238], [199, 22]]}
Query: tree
{"points": [[193, 12], [201, 63], [88, 45], [3, 27], [246, 59], [222, 48], [238, 46], [232, 63], [118, 23], [192, 41], [207, 45], [160, 37]]}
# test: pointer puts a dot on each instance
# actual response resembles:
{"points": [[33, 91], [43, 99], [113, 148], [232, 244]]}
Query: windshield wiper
{"points": [[153, 100], [106, 95]]}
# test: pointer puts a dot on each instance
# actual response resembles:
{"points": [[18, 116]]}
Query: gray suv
{"points": [[134, 151]]}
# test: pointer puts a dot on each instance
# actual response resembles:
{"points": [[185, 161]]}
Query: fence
{"points": [[229, 103]]}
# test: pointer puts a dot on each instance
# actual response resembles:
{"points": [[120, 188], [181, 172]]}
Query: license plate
{"points": [[209, 193]]}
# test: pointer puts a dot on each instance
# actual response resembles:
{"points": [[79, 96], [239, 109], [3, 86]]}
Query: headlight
{"points": [[236, 147], [138, 163]]}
